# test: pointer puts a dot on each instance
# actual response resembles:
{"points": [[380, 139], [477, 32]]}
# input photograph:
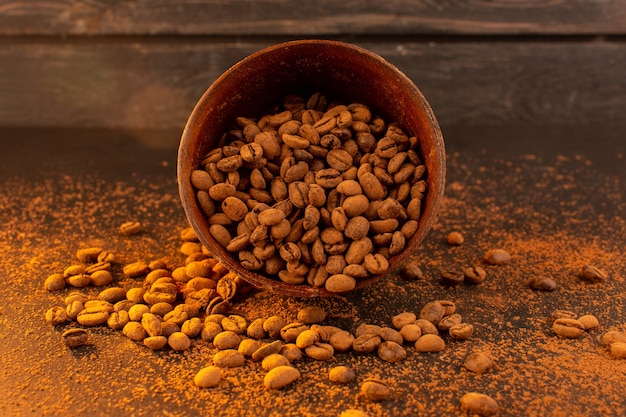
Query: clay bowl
{"points": [[340, 70]]}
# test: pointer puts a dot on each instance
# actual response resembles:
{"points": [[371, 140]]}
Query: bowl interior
{"points": [[341, 71]]}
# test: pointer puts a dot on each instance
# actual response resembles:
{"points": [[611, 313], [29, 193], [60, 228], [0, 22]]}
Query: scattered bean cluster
{"points": [[317, 193]]}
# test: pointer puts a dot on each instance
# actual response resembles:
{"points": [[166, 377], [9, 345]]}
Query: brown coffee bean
{"points": [[228, 358], [366, 343], [474, 275], [341, 341], [448, 321], [542, 284], [88, 255], [375, 263], [451, 277], [568, 328], [92, 316], [311, 315], [481, 404], [589, 322], [618, 350], [478, 362], [497, 257], [613, 336], [432, 311], [562, 314], [208, 377], [411, 272], [592, 274], [375, 390], [411, 332], [280, 377], [341, 374], [75, 337], [319, 351], [461, 331], [430, 343], [130, 228], [455, 239], [340, 283], [267, 349], [390, 351], [54, 282]]}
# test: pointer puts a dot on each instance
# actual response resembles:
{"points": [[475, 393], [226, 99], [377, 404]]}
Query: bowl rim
{"points": [[197, 219]]}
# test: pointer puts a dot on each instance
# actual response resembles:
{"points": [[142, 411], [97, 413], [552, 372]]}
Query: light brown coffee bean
{"points": [[341, 374], [455, 239], [568, 328], [155, 342], [461, 331], [411, 272], [54, 282], [497, 257], [152, 324], [618, 350], [589, 322], [267, 349], [179, 341], [280, 377], [319, 351], [134, 331], [355, 205], [411, 332], [448, 321], [481, 404], [478, 363], [113, 294], [130, 228], [562, 314], [311, 315], [613, 336], [328, 178], [118, 319], [542, 284], [101, 278], [208, 377], [340, 283], [341, 341], [430, 343], [366, 343], [75, 337], [93, 316], [432, 311], [390, 351], [229, 358], [451, 277], [375, 390], [593, 274], [136, 269], [474, 275], [226, 340]]}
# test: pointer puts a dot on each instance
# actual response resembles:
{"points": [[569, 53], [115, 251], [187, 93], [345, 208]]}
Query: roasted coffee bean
{"points": [[340, 283], [311, 315], [366, 343], [474, 275], [542, 284], [592, 274], [179, 341], [448, 321], [432, 311], [478, 362], [319, 351], [568, 328], [101, 278], [461, 331], [562, 314], [54, 282], [618, 350], [208, 377], [375, 390], [455, 239], [130, 228], [613, 336], [451, 277], [589, 321], [480, 404], [403, 319], [136, 269], [341, 374], [267, 349], [134, 331], [430, 343], [411, 272], [88, 255], [497, 257], [280, 377], [75, 337], [390, 351], [341, 341], [56, 315], [411, 332], [92, 316]]}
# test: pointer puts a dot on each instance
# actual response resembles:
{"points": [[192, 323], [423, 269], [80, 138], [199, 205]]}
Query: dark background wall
{"points": [[142, 64]]}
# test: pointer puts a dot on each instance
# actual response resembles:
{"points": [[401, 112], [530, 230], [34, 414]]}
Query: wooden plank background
{"points": [[143, 64]]}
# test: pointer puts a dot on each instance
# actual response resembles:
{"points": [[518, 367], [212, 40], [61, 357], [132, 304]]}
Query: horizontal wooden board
{"points": [[155, 85], [320, 18]]}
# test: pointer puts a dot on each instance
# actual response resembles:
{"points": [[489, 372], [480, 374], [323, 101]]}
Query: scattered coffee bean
{"points": [[592, 274], [589, 322], [391, 352], [208, 377], [432, 311], [474, 275], [542, 284], [430, 343], [568, 328], [497, 257], [613, 336], [56, 315], [311, 315], [403, 319], [478, 362], [461, 331], [280, 377], [274, 360], [54, 282], [179, 341], [375, 390], [411, 272], [618, 350], [130, 228], [481, 404], [341, 374], [75, 337], [155, 342], [455, 239], [451, 277]]}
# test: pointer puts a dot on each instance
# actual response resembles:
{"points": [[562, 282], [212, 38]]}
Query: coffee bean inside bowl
{"points": [[310, 194]]}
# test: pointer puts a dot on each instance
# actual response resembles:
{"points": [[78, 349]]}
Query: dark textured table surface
{"points": [[553, 196]]}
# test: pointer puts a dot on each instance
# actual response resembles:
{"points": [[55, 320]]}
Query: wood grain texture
{"points": [[321, 17], [155, 85]]}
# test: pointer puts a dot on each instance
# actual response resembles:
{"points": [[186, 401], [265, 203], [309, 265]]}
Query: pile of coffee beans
{"points": [[314, 193]]}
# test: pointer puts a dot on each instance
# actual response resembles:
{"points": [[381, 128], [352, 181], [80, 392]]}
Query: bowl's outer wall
{"points": [[339, 70]]}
